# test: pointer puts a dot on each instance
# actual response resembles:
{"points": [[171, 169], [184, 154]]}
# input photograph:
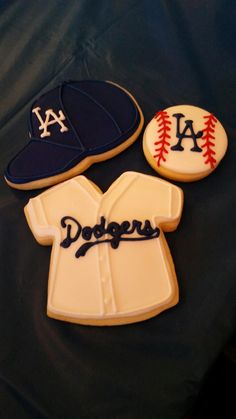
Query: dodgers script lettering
{"points": [[113, 229]]}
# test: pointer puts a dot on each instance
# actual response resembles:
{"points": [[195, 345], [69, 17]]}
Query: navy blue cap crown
{"points": [[71, 122]]}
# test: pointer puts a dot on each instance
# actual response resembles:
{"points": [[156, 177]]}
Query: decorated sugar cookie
{"points": [[71, 127], [110, 262], [184, 143]]}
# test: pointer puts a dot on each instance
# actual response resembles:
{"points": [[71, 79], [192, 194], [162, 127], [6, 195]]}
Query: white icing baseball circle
{"points": [[184, 142]]}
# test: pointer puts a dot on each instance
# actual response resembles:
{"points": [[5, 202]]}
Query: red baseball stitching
{"points": [[164, 123], [208, 136]]}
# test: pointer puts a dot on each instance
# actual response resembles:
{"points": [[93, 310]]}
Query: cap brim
{"points": [[40, 160]]}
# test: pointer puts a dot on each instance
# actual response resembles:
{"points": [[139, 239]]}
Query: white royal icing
{"points": [[198, 155], [106, 282], [51, 118]]}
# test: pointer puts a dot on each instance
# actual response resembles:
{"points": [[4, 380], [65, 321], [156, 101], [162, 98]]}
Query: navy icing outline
{"points": [[114, 229], [181, 135]]}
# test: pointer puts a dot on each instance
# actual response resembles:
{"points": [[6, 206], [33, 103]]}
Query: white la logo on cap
{"points": [[55, 120]]}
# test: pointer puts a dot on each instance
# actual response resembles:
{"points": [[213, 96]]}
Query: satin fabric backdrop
{"points": [[165, 53]]}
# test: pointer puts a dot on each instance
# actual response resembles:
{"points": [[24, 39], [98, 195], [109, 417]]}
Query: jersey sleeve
{"points": [[41, 212], [175, 208], [166, 203], [176, 202], [36, 219], [149, 197]]}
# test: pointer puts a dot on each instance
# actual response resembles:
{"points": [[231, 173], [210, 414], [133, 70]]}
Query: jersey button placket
{"points": [[105, 278], [104, 265]]}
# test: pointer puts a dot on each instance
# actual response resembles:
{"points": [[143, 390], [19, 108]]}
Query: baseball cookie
{"points": [[71, 127], [110, 263], [184, 143]]}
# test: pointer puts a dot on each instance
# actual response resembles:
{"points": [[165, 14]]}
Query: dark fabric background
{"points": [[165, 53]]}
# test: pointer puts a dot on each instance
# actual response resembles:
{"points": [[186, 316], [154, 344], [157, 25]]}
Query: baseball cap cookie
{"points": [[184, 143], [71, 127]]}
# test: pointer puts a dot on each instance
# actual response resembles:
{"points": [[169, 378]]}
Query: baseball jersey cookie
{"points": [[110, 263], [184, 143], [71, 127]]}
